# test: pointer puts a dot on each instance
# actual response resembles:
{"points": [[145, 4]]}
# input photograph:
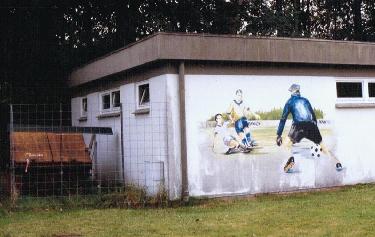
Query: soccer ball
{"points": [[316, 150]]}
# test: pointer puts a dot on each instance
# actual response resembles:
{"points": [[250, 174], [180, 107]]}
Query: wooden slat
{"points": [[34, 146], [44, 147]]}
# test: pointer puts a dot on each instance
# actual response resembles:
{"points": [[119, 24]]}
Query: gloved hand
{"points": [[279, 140]]}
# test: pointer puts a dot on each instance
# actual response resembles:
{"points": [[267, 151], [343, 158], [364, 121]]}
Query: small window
{"points": [[106, 101], [143, 95], [116, 99], [349, 89], [110, 101], [84, 107], [371, 89]]}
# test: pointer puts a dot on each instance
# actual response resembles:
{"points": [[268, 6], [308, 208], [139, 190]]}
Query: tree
{"points": [[42, 39], [31, 66], [357, 20], [257, 18], [368, 20]]}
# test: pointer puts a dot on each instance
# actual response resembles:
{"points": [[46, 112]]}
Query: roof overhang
{"points": [[232, 48]]}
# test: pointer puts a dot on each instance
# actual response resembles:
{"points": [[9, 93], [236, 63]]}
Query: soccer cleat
{"points": [[289, 165], [253, 143], [338, 166], [229, 151], [244, 149]]}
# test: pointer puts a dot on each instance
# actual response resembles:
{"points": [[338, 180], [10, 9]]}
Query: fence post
{"points": [[13, 190], [61, 168]]}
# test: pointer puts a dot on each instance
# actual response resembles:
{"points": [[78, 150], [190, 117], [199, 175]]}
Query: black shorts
{"points": [[306, 130]]}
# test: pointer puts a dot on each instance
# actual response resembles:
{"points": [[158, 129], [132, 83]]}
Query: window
{"points": [[116, 99], [355, 93], [349, 89], [110, 101], [143, 95], [106, 101], [371, 89], [84, 107]]}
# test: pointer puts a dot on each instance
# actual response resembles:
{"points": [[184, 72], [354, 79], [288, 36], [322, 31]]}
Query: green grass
{"points": [[348, 211]]}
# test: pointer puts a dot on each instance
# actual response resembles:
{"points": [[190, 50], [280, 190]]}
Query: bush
{"points": [[160, 199], [275, 114], [129, 196]]}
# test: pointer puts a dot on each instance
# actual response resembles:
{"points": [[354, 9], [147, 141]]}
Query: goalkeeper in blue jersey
{"points": [[304, 125]]}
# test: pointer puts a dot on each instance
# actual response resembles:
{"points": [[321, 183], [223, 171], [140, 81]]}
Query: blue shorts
{"points": [[241, 124]]}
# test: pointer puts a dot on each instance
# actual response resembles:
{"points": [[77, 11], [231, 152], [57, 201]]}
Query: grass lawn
{"points": [[348, 211]]}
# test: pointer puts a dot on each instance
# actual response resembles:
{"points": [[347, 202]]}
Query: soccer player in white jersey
{"points": [[230, 141]]}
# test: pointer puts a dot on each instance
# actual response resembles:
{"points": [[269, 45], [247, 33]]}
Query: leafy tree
{"points": [[43, 40], [30, 63], [368, 20], [258, 18], [333, 20], [357, 20]]}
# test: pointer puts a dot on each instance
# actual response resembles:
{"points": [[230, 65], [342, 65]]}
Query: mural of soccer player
{"points": [[221, 129], [238, 113], [304, 125]]}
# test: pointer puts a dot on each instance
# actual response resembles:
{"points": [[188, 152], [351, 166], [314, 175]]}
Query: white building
{"points": [[171, 86]]}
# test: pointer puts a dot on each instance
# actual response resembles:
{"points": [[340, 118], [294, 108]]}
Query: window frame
{"points": [[351, 99], [84, 113], [137, 88], [111, 101], [365, 99], [372, 99]]}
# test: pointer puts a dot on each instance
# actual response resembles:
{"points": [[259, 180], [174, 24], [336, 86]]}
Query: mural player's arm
{"points": [[230, 111], [251, 114], [282, 122]]}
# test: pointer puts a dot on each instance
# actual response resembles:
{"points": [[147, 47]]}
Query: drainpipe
{"points": [[122, 145], [184, 171]]}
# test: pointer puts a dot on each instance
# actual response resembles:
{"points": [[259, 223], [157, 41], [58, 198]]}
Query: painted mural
{"points": [[253, 138], [232, 133]]}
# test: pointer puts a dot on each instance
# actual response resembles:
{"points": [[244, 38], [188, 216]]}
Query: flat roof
{"points": [[228, 48]]}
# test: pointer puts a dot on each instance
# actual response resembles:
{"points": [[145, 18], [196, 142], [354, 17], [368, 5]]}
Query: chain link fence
{"points": [[70, 150]]}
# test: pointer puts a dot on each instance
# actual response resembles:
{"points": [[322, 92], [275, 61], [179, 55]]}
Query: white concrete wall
{"points": [[145, 136], [108, 164], [349, 137], [151, 140], [356, 144]]}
